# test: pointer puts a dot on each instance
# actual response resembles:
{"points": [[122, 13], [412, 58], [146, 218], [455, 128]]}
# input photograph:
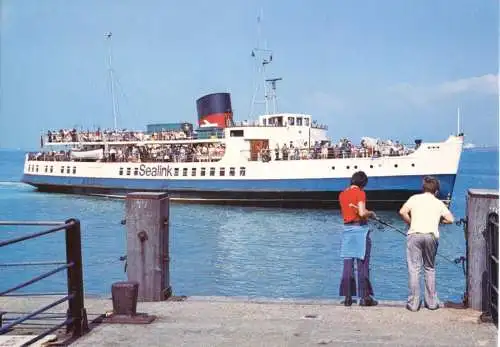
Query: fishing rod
{"points": [[455, 261], [402, 232]]}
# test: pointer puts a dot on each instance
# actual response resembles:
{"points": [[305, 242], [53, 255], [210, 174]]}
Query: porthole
{"points": [[371, 166], [412, 164], [355, 166], [347, 167], [120, 172], [333, 167], [395, 165]]}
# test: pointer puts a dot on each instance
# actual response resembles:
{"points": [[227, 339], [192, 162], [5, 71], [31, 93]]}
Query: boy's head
{"points": [[359, 179], [430, 185]]}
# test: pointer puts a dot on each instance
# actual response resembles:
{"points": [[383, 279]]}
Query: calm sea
{"points": [[228, 251]]}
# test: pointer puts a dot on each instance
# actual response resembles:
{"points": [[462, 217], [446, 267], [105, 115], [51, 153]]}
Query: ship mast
{"points": [[264, 57], [111, 79]]}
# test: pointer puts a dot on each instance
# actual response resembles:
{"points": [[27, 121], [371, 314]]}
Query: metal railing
{"points": [[76, 317], [492, 266]]}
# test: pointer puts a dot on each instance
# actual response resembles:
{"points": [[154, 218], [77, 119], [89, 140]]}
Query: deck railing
{"points": [[76, 318]]}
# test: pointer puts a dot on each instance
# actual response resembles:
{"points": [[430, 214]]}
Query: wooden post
{"points": [[147, 216], [480, 202]]}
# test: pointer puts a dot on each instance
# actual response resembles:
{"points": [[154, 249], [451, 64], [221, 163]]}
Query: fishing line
{"points": [[455, 261]]}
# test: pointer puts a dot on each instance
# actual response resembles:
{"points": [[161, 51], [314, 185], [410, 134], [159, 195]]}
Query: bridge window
{"points": [[184, 171], [299, 121], [193, 171], [136, 171], [236, 133], [74, 170], [231, 171], [128, 171], [291, 121], [120, 172], [176, 171], [242, 171], [222, 172], [202, 172], [306, 122], [212, 171]]}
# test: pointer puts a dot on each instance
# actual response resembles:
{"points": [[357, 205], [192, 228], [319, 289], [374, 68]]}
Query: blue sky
{"points": [[389, 69]]}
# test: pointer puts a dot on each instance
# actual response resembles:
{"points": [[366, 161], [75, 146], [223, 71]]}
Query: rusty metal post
{"points": [[76, 309], [480, 202], [148, 260]]}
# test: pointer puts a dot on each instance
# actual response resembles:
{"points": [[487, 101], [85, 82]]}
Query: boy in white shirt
{"points": [[423, 212]]}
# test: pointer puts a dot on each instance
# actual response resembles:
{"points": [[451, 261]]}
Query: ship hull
{"points": [[388, 192]]}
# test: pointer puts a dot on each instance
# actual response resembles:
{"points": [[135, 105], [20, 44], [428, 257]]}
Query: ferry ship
{"points": [[283, 159], [280, 159]]}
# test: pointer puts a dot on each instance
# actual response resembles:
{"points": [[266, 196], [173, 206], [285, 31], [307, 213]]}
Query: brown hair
{"points": [[430, 185]]}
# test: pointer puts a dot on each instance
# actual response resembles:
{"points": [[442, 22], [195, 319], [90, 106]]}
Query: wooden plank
{"points": [[148, 244], [480, 203]]}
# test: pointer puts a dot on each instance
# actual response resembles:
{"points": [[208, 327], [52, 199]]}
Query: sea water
{"points": [[227, 251]]}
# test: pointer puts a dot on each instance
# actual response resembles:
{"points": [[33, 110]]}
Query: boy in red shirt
{"points": [[356, 242]]}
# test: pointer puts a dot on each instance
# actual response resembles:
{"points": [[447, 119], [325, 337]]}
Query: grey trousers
{"points": [[421, 249]]}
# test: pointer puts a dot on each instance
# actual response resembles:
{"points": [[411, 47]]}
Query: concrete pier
{"points": [[217, 321]]}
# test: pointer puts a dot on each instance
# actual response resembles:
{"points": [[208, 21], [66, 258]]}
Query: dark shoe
{"points": [[368, 301], [409, 308], [432, 308], [347, 301]]}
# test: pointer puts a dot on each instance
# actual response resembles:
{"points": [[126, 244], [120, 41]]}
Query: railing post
{"points": [[76, 309], [480, 202]]}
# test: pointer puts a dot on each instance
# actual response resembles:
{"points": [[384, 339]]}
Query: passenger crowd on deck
{"points": [[207, 152], [72, 135]]}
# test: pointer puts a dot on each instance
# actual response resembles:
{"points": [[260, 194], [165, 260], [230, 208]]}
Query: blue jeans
{"points": [[348, 283]]}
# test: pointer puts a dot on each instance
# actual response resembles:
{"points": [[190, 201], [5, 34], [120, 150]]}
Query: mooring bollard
{"points": [[480, 202], [148, 262], [124, 296]]}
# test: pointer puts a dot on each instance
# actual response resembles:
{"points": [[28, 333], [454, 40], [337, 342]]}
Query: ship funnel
{"points": [[214, 110]]}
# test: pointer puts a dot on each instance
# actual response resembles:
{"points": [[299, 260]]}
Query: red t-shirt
{"points": [[351, 195]]}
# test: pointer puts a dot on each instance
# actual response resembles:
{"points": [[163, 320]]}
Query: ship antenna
{"points": [[111, 79], [264, 57], [458, 121]]}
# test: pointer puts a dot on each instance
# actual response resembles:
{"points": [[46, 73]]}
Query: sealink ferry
{"points": [[279, 159], [282, 159]]}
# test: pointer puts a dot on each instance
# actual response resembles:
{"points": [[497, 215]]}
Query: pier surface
{"points": [[216, 321]]}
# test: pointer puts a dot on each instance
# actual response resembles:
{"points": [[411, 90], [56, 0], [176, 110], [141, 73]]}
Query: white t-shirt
{"points": [[426, 211]]}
